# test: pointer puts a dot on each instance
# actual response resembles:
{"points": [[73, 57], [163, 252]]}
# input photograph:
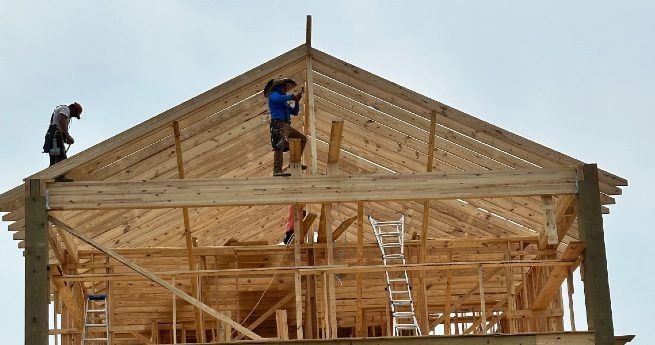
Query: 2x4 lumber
{"points": [[311, 189], [557, 275], [281, 323], [200, 329], [311, 115], [548, 234], [295, 169], [452, 118], [359, 317], [183, 295], [483, 306], [72, 305], [564, 215], [36, 264], [162, 121], [343, 227], [596, 285]]}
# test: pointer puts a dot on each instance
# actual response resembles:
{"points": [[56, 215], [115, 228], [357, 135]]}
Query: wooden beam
{"points": [[310, 106], [73, 307], [183, 295], [564, 215], [570, 290], [310, 189], [557, 275], [198, 317], [307, 223], [295, 169], [483, 305], [359, 316], [548, 233], [596, 285], [282, 325], [36, 264], [343, 227]]}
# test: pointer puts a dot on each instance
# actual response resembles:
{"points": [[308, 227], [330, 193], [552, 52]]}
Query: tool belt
{"points": [[278, 139], [54, 142]]}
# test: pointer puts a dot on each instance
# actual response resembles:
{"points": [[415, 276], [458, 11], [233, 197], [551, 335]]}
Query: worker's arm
{"points": [[62, 123], [277, 97], [295, 109]]}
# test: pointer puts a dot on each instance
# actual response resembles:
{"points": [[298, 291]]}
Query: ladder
{"points": [[96, 321], [390, 238]]}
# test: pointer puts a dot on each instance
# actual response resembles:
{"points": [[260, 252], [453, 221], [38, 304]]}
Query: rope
{"points": [[265, 290]]}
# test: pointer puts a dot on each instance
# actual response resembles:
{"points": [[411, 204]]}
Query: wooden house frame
{"points": [[177, 220]]}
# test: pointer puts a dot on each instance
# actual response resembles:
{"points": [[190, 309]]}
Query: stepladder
{"points": [[96, 320], [390, 238]]}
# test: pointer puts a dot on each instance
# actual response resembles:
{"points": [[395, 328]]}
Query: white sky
{"points": [[578, 77]]}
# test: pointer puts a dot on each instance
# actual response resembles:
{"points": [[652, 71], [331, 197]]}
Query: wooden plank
{"points": [[483, 305], [281, 323], [564, 215], [73, 307], [548, 235], [309, 189], [343, 227], [570, 290], [183, 295], [200, 325], [36, 265], [295, 169], [596, 285], [557, 275], [311, 114], [359, 316]]}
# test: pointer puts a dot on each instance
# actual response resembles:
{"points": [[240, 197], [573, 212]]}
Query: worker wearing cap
{"points": [[58, 133], [280, 126]]}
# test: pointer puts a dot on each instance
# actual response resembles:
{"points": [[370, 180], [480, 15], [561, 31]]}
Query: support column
{"points": [[310, 118], [295, 169], [596, 284], [36, 264]]}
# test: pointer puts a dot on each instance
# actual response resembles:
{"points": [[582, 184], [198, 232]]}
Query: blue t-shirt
{"points": [[279, 108]]}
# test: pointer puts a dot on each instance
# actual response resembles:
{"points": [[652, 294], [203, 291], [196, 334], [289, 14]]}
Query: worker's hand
{"points": [[297, 97], [69, 140]]}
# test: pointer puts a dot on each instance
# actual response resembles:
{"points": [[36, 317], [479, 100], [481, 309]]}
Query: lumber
{"points": [[36, 264], [207, 309], [596, 285], [343, 227], [270, 311], [311, 114], [282, 326], [548, 234], [308, 189], [295, 169], [557, 275], [200, 329]]}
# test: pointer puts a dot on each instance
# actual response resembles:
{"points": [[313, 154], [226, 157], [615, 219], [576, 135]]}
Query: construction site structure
{"points": [[176, 222]]}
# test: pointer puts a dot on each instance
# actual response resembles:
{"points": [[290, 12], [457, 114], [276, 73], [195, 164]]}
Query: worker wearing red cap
{"points": [[58, 133]]}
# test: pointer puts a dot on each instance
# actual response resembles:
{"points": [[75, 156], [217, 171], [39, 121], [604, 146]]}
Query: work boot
{"points": [[288, 237], [281, 173], [63, 178], [303, 167]]}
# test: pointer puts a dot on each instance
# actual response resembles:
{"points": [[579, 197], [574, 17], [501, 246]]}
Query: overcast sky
{"points": [[577, 76]]}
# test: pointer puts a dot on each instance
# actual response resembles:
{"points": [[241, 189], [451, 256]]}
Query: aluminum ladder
{"points": [[96, 320], [390, 238]]}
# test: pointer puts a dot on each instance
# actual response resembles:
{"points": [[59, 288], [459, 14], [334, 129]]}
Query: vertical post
{"points": [[295, 169], [423, 300], [36, 264], [174, 315], [281, 323], [311, 116], [570, 288], [483, 305], [359, 316], [200, 327], [596, 284], [447, 311]]}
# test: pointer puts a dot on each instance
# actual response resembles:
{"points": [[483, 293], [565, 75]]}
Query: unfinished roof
{"points": [[224, 133]]}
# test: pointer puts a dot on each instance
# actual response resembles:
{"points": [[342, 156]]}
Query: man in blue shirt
{"points": [[281, 112]]}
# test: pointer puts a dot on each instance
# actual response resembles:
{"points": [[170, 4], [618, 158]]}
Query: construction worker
{"points": [[280, 126], [58, 134]]}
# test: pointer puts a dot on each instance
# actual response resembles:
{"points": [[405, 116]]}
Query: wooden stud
{"points": [[281, 323], [554, 280], [483, 306], [548, 235], [570, 289], [295, 169], [447, 310], [36, 264], [359, 314], [309, 77], [596, 285]]}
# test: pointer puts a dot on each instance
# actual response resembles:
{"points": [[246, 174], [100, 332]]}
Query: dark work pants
{"points": [[287, 132]]}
